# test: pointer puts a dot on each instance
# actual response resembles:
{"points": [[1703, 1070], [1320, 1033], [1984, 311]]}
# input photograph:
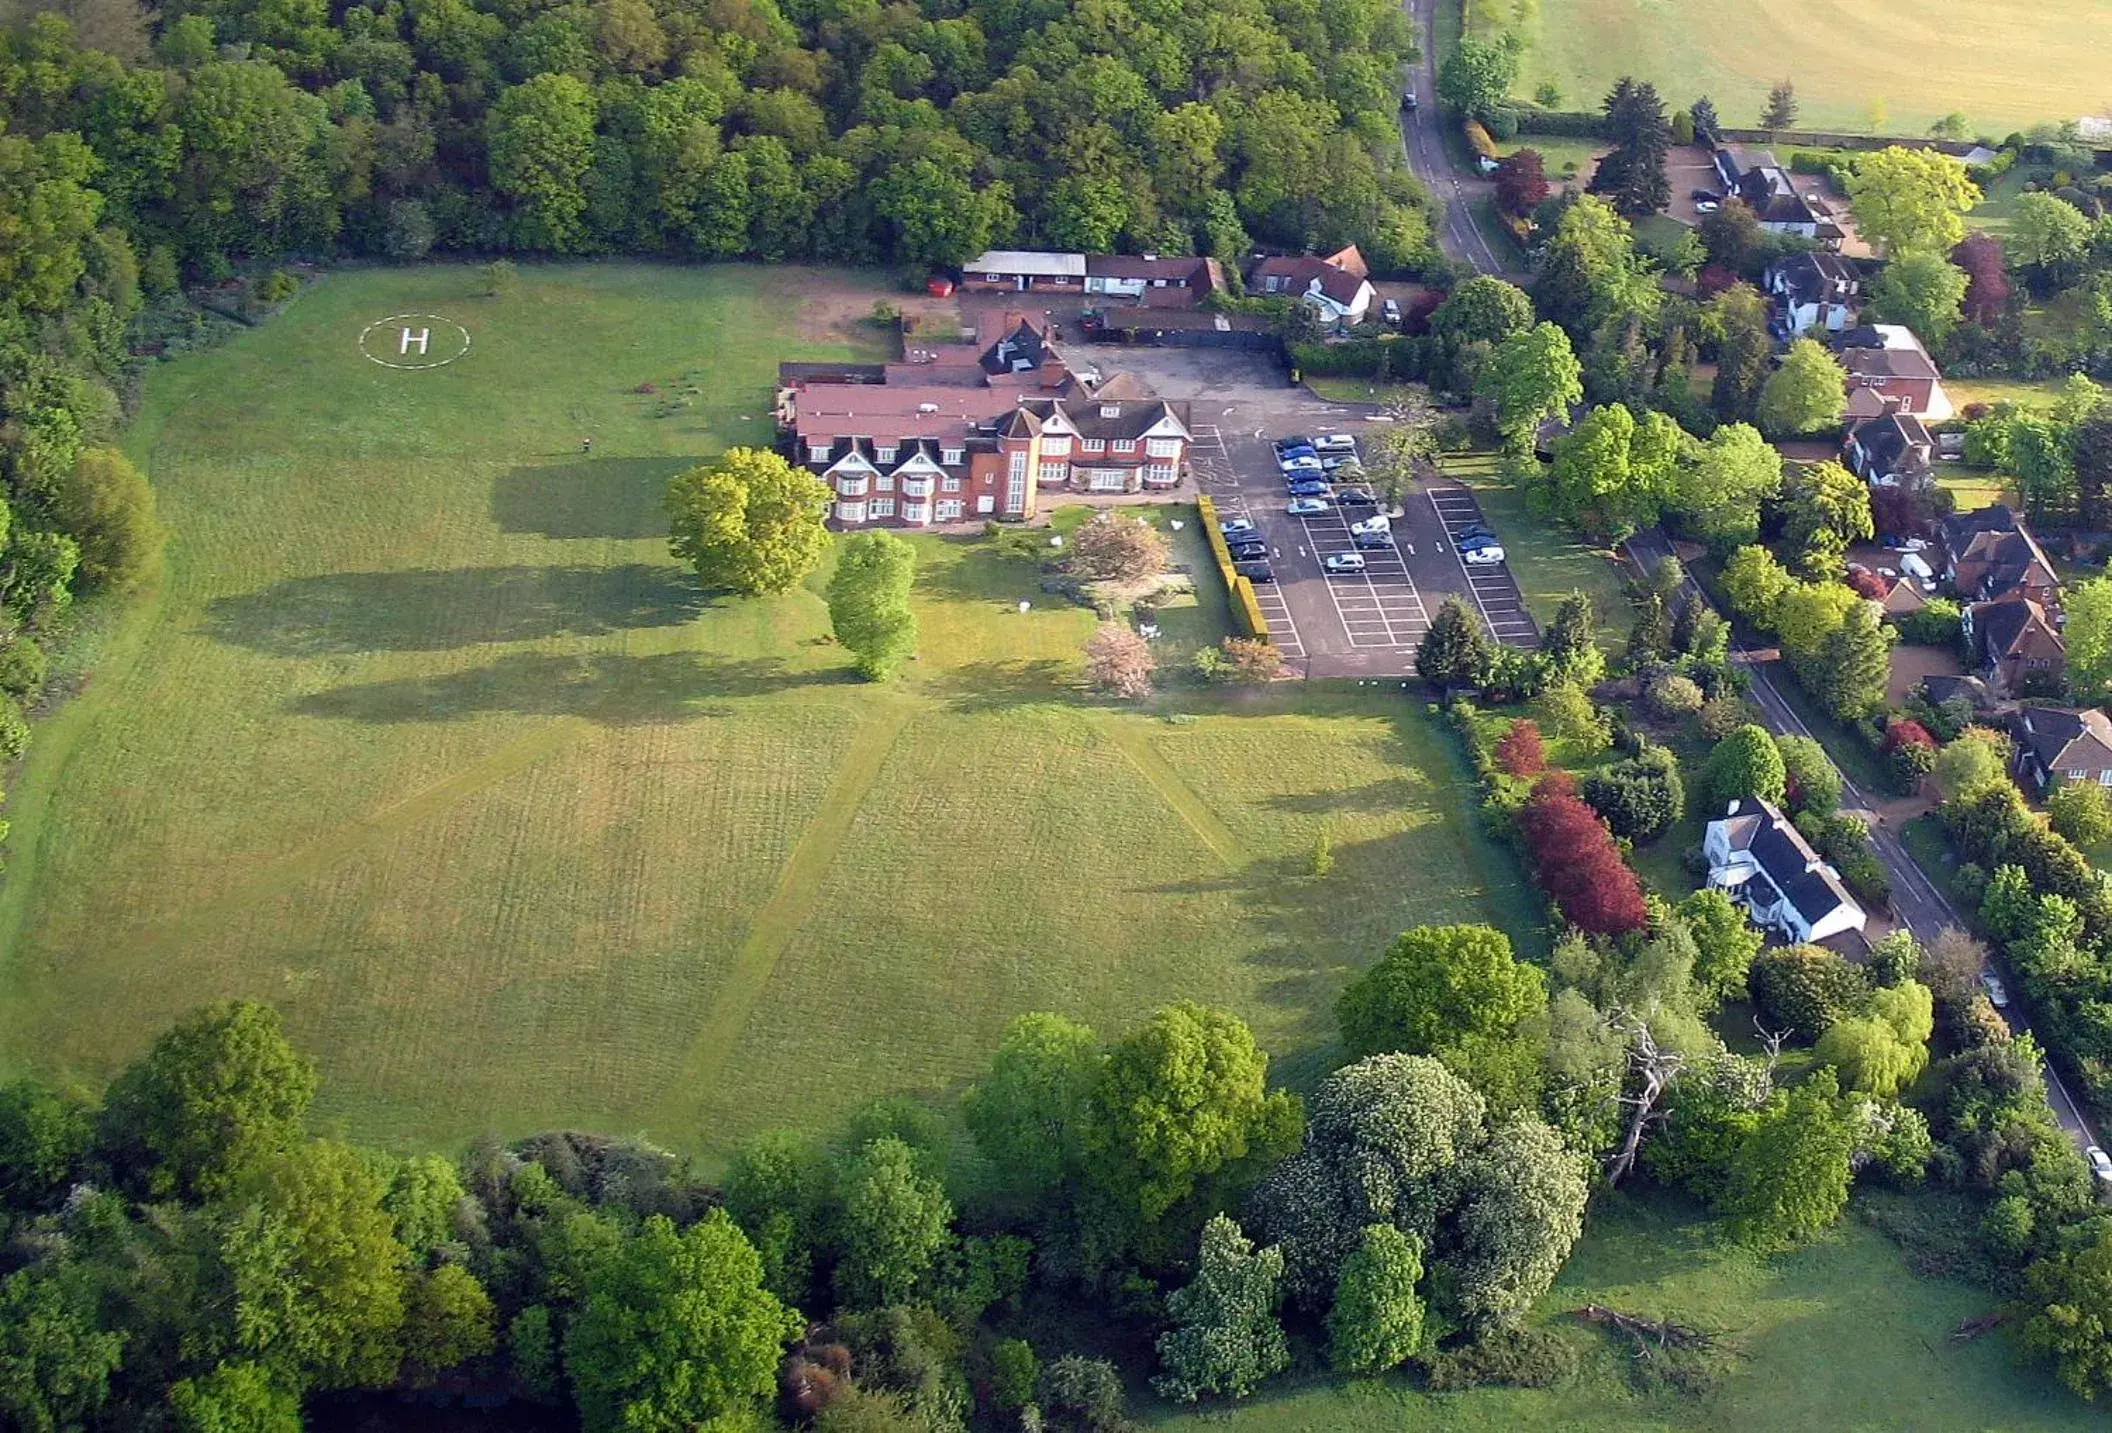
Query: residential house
{"points": [[1989, 554], [1938, 689], [1768, 191], [1024, 271], [1814, 291], [972, 432], [1337, 287], [1762, 862], [2015, 646], [1148, 281], [2072, 743], [1889, 371], [1893, 450]]}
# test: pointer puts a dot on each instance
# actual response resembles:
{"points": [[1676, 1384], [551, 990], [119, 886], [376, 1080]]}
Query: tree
{"points": [[750, 523], [1725, 943], [1703, 113], [1781, 111], [1577, 863], [316, 1270], [1806, 394], [1722, 486], [1828, 508], [676, 1330], [1738, 317], [1456, 651], [1119, 661], [107, 507], [937, 216], [55, 1361], [2089, 636], [2050, 235], [1633, 176], [43, 1134], [1611, 474], [540, 148], [1790, 1176], [1812, 782], [1987, 287], [1805, 989], [1477, 76], [1253, 659], [1437, 986], [1566, 712], [1521, 184], [1114, 547], [1529, 377], [218, 1092], [1881, 1053], [1376, 1322], [1483, 309], [2080, 810], [1973, 758], [1522, 1212], [1808, 614], [1029, 1114], [869, 602], [1521, 752], [423, 1197], [1640, 798], [1731, 237], [1182, 1097], [1225, 1337], [1745, 764], [235, 1398], [448, 1319], [1570, 642], [1850, 673], [1911, 200], [894, 1224], [2070, 1311], [1924, 291]]}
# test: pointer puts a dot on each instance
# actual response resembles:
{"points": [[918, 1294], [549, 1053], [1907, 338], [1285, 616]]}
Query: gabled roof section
{"points": [[1787, 859], [2050, 732]]}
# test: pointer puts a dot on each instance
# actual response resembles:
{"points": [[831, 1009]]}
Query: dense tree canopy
{"points": [[750, 523], [1437, 986]]}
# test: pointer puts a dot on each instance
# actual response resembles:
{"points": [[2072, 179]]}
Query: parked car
{"points": [[1341, 462], [1296, 440], [1373, 540], [1354, 496], [1307, 488], [1699, 195], [1377, 522], [1344, 562], [1255, 570], [1232, 527], [1473, 532], [2100, 1164], [1311, 466], [1336, 443], [1706, 206], [1997, 992], [1391, 312], [1408, 100], [1248, 551], [1482, 556], [1309, 507]]}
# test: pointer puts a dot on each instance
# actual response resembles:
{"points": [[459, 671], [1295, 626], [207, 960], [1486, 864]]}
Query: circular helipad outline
{"points": [[401, 317]]}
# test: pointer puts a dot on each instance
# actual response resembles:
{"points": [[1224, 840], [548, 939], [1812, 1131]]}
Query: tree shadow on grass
{"points": [[437, 610], [995, 686], [1393, 794], [606, 497], [607, 687], [981, 573]]}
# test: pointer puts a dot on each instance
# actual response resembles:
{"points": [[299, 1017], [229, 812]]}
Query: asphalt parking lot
{"points": [[1366, 624]]}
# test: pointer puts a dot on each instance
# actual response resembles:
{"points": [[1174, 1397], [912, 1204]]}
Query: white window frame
{"points": [[1093, 445], [883, 482], [1161, 473], [953, 457], [850, 512], [1163, 448], [818, 452], [987, 503], [881, 507], [916, 512], [1125, 445], [949, 484], [949, 509], [1106, 480], [1057, 472], [884, 455]]}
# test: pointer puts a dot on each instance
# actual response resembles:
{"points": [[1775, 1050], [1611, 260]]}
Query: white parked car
{"points": [[1997, 992], [1915, 566], [1482, 556], [1335, 443], [1706, 206], [1234, 526], [2100, 1164], [1344, 562], [1308, 507], [1377, 522]]}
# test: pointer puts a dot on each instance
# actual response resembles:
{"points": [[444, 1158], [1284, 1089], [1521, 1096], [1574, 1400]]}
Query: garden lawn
{"points": [[1838, 1336], [1873, 66], [427, 741]]}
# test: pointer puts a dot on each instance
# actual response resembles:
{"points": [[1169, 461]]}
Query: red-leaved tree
{"points": [[1905, 733], [1986, 277], [1578, 863], [1521, 182], [1867, 584], [1521, 752]]}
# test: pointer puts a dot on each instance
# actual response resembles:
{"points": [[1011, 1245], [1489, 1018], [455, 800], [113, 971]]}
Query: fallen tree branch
{"points": [[1974, 1327], [1652, 1333]]}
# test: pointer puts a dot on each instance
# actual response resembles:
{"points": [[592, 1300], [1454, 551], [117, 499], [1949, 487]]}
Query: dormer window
{"points": [[953, 457], [1110, 410], [818, 452], [886, 453]]}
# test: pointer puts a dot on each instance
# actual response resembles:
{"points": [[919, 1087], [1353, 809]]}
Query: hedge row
{"points": [[1388, 357], [1246, 612]]}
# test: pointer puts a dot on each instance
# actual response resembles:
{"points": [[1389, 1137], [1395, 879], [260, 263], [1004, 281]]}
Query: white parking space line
{"points": [[1212, 463]]}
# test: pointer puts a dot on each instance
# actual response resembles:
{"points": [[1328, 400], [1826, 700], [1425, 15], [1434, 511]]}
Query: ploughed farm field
{"points": [[1888, 66], [425, 739]]}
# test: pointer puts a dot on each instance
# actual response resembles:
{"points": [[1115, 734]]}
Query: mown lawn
{"points": [[1880, 66], [1838, 1335], [426, 740]]}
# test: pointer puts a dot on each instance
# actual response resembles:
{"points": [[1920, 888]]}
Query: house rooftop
{"points": [[2050, 731], [2000, 625], [1033, 262], [1787, 860]]}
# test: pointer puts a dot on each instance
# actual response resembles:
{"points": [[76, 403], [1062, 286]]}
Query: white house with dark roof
{"points": [[1762, 862], [1814, 291]]}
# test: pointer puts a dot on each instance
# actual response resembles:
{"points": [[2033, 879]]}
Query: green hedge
{"points": [[1246, 611], [1388, 357], [1571, 124]]}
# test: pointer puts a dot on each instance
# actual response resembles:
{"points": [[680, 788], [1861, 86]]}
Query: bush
{"points": [[1578, 864], [1521, 753], [1673, 696], [1805, 989], [1720, 716], [1909, 752], [1640, 798], [1512, 1357], [1938, 624], [23, 669], [2080, 810], [277, 287]]}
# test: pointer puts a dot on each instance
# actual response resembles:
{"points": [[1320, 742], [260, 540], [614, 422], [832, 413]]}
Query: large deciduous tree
{"points": [[1577, 863], [218, 1092], [2068, 1308], [676, 1331], [1745, 764], [1806, 394], [1789, 1178], [750, 523], [1029, 1115], [1476, 77], [869, 602], [1611, 475], [1828, 508], [1922, 290], [1119, 661], [1521, 1214], [541, 146], [1724, 483], [1116, 547], [1226, 1338], [1911, 200], [2089, 637], [1376, 1322], [1529, 377], [893, 1225], [1437, 986], [55, 1358]]}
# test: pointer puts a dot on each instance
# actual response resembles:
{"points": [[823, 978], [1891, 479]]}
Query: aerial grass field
{"points": [[1878, 66], [425, 739]]}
